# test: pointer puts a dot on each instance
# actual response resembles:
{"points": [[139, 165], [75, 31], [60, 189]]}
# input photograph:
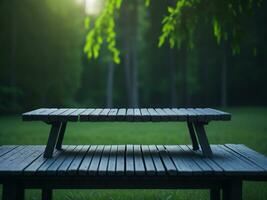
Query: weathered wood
{"points": [[192, 135], [93, 169], [136, 114], [197, 116], [74, 167], [84, 116], [119, 160], [94, 116], [129, 160], [153, 114], [83, 169], [203, 140], [61, 135], [52, 139]]}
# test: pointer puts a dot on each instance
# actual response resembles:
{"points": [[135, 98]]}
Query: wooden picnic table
{"points": [[196, 119]]}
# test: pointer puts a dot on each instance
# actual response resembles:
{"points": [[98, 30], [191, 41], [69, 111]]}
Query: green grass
{"points": [[248, 126]]}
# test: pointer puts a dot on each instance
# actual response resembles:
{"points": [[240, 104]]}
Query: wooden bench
{"points": [[195, 118], [129, 167]]}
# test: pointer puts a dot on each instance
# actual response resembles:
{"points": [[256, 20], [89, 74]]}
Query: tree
{"points": [[179, 29]]}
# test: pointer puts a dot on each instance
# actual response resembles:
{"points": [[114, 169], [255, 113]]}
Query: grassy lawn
{"points": [[248, 126]]}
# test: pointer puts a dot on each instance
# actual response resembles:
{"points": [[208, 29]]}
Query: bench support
{"points": [[61, 135], [202, 138], [215, 194], [192, 135], [47, 194], [13, 191], [232, 190], [52, 139]]}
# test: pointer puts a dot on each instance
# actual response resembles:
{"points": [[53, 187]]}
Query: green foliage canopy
{"points": [[178, 26]]}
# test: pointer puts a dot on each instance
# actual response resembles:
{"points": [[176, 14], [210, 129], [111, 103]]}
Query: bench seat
{"points": [[131, 160], [129, 166]]}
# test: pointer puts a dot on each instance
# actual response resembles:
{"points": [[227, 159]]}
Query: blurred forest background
{"points": [[42, 63]]}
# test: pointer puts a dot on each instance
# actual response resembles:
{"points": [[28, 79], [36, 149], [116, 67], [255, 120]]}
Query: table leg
{"points": [[232, 190], [215, 194], [47, 194], [193, 136], [203, 140], [12, 191], [52, 139], [61, 135]]}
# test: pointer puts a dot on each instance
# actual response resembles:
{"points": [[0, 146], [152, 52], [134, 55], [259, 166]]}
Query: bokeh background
{"points": [[43, 64]]}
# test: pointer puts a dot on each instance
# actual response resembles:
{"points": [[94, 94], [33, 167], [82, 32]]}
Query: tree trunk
{"points": [[224, 76], [110, 78], [134, 53], [173, 75], [184, 85]]}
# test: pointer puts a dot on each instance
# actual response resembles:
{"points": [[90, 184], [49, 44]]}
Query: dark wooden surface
{"points": [[132, 160], [122, 114]]}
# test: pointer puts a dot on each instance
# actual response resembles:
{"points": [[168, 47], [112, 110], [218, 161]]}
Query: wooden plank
{"points": [[11, 154], [137, 115], [71, 154], [54, 116], [112, 161], [25, 160], [103, 115], [157, 160], [7, 148], [153, 114], [112, 114], [168, 163], [93, 169], [52, 169], [201, 160], [84, 116], [145, 114], [163, 115], [48, 162], [249, 154], [75, 115], [138, 161], [74, 167], [121, 115], [34, 166], [94, 116], [39, 114], [172, 116], [129, 160], [231, 164], [83, 168], [103, 165], [223, 115], [120, 163], [181, 115], [20, 160], [200, 116], [6, 160], [252, 165], [27, 115], [130, 114], [208, 116], [149, 165], [65, 116], [191, 116], [213, 115], [184, 164]]}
